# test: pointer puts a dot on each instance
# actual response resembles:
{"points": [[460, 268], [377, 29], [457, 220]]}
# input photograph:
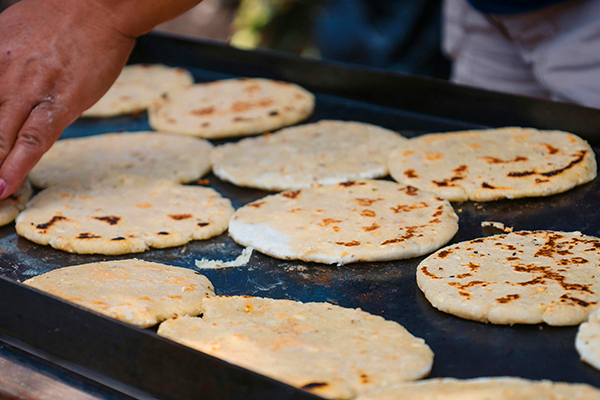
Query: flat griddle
{"points": [[140, 363]]}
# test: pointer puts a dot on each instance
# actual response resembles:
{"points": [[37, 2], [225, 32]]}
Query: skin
{"points": [[57, 58]]}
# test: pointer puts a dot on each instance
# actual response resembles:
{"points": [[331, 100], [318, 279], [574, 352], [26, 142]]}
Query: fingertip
{"points": [[14, 172], [37, 134], [7, 189]]}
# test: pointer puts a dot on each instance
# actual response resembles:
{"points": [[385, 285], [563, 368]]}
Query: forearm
{"points": [[129, 17]]}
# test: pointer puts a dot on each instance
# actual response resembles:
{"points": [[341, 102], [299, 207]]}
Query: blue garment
{"points": [[401, 35], [511, 6]]}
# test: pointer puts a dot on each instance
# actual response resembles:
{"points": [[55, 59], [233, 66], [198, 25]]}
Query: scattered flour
{"points": [[497, 225], [241, 261]]}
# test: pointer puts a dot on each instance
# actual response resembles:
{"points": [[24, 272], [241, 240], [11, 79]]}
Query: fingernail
{"points": [[2, 187]]}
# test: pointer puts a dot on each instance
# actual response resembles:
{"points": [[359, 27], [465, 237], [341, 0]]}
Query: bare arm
{"points": [[57, 58]]}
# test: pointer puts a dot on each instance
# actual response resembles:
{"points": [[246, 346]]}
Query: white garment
{"points": [[553, 53]]}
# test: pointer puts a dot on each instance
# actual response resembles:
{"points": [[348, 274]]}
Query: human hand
{"points": [[57, 58]]}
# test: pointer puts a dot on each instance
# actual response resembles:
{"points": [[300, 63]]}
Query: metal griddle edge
{"points": [[138, 362]]}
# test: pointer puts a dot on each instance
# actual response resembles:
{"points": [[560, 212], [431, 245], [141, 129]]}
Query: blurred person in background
{"points": [[399, 35], [548, 49]]}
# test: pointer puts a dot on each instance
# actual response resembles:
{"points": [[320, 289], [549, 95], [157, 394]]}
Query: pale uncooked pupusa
{"points": [[587, 341], [134, 291], [331, 351], [15, 203], [347, 222], [324, 153], [147, 154], [501, 388], [137, 87]]}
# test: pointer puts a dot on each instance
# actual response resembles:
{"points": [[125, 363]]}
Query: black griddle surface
{"points": [[463, 349]]}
